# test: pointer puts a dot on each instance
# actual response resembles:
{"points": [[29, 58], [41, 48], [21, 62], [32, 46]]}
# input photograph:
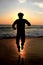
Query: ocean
{"points": [[7, 31]]}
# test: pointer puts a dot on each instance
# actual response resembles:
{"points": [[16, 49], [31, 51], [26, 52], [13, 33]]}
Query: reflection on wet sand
{"points": [[32, 60], [20, 61], [32, 54]]}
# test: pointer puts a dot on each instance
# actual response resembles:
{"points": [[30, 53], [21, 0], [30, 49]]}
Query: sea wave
{"points": [[6, 31]]}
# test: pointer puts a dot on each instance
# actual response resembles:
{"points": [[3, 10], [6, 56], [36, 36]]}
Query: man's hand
{"points": [[14, 28]]}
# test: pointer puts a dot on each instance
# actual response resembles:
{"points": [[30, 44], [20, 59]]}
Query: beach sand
{"points": [[32, 54]]}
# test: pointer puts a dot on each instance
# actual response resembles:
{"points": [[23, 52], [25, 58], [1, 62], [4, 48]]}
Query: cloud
{"points": [[39, 12], [40, 5], [7, 1], [22, 1], [35, 0]]}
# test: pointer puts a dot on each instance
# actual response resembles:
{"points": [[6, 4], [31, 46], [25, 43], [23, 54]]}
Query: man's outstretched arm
{"points": [[28, 23], [13, 25]]}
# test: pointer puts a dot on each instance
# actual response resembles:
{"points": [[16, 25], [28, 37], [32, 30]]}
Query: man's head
{"points": [[20, 15]]}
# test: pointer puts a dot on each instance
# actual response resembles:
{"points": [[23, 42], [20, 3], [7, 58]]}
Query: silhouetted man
{"points": [[20, 29]]}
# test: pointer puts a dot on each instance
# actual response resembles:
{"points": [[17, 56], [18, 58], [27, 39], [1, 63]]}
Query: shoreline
{"points": [[25, 37]]}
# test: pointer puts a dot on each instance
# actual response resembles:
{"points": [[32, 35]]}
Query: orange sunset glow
{"points": [[33, 12]]}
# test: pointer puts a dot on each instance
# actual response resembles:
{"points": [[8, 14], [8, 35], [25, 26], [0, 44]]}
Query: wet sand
{"points": [[32, 54]]}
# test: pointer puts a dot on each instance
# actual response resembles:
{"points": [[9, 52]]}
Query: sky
{"points": [[32, 9]]}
